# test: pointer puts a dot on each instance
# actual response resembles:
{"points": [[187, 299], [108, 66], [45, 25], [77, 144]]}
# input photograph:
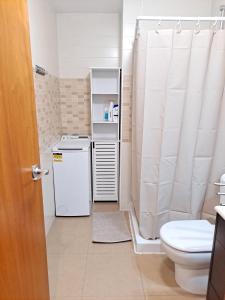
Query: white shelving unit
{"points": [[105, 88]]}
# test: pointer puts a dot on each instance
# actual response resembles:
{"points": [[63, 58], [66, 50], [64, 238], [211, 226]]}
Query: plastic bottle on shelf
{"points": [[111, 111], [115, 117], [106, 114]]}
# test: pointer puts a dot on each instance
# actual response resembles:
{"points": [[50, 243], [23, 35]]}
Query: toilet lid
{"points": [[188, 235]]}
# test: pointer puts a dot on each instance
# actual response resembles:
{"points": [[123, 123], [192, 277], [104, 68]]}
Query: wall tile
{"points": [[47, 96], [87, 40], [49, 130], [75, 105]]}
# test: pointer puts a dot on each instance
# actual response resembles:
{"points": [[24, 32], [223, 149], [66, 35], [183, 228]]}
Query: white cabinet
{"points": [[105, 127], [105, 171]]}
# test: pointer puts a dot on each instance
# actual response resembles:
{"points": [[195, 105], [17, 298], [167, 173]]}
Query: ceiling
{"points": [[87, 6]]}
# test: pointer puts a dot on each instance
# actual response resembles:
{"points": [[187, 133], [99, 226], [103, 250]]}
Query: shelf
{"points": [[105, 81], [113, 94], [104, 139], [104, 122]]}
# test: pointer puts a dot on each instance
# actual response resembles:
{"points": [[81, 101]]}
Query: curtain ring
{"points": [[197, 27], [214, 26], [158, 26], [178, 27]]}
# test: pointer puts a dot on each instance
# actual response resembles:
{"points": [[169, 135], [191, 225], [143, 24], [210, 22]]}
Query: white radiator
{"points": [[105, 171]]}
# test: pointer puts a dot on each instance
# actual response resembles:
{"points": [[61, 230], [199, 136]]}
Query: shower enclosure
{"points": [[178, 122]]}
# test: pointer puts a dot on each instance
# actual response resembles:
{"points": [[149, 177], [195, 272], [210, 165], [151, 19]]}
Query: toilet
{"points": [[189, 245]]}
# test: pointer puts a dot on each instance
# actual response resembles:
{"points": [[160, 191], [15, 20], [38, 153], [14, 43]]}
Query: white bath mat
{"points": [[109, 227]]}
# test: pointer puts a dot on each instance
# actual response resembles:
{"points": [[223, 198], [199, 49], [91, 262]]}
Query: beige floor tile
{"points": [[69, 236], [52, 280], [82, 270], [115, 298], [157, 273], [68, 243], [66, 272], [112, 275], [67, 263], [101, 207], [66, 298], [99, 298], [190, 297], [53, 262], [101, 248], [74, 225]]}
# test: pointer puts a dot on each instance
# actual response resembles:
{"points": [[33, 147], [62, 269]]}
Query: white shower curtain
{"points": [[178, 124]]}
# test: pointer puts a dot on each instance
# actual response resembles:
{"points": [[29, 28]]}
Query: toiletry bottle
{"points": [[115, 113], [111, 111], [106, 114]]}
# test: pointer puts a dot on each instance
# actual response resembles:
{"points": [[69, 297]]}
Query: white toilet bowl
{"points": [[189, 245]]}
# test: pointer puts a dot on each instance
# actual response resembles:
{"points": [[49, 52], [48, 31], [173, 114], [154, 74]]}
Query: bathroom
{"points": [[149, 76]]}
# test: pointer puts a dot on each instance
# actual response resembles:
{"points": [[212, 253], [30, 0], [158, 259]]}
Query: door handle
{"points": [[37, 172]]}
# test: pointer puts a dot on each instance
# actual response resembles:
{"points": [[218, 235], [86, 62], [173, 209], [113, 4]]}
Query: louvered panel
{"points": [[105, 171]]}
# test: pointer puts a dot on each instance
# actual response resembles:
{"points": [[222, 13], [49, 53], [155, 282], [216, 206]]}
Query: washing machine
{"points": [[72, 175]]}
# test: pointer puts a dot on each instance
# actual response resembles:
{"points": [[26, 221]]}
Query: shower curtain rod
{"points": [[163, 18], [181, 19]]}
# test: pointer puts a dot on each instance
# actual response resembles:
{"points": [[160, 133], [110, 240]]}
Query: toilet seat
{"points": [[191, 260], [191, 236]]}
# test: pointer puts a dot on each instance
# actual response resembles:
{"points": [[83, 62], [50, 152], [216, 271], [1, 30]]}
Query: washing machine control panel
{"points": [[73, 137]]}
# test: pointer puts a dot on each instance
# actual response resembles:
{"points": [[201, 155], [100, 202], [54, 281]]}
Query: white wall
{"points": [[216, 6], [43, 34], [87, 40]]}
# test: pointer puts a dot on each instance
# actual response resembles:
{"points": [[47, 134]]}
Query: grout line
{"points": [[142, 282], [85, 276], [87, 256]]}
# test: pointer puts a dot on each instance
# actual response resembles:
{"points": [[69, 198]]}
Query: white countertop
{"points": [[220, 209]]}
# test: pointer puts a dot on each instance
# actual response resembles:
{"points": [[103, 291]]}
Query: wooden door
{"points": [[23, 263]]}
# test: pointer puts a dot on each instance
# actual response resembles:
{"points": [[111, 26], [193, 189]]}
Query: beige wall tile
{"points": [[48, 110], [75, 106]]}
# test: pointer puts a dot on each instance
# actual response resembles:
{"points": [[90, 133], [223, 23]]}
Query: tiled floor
{"points": [[81, 270]]}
